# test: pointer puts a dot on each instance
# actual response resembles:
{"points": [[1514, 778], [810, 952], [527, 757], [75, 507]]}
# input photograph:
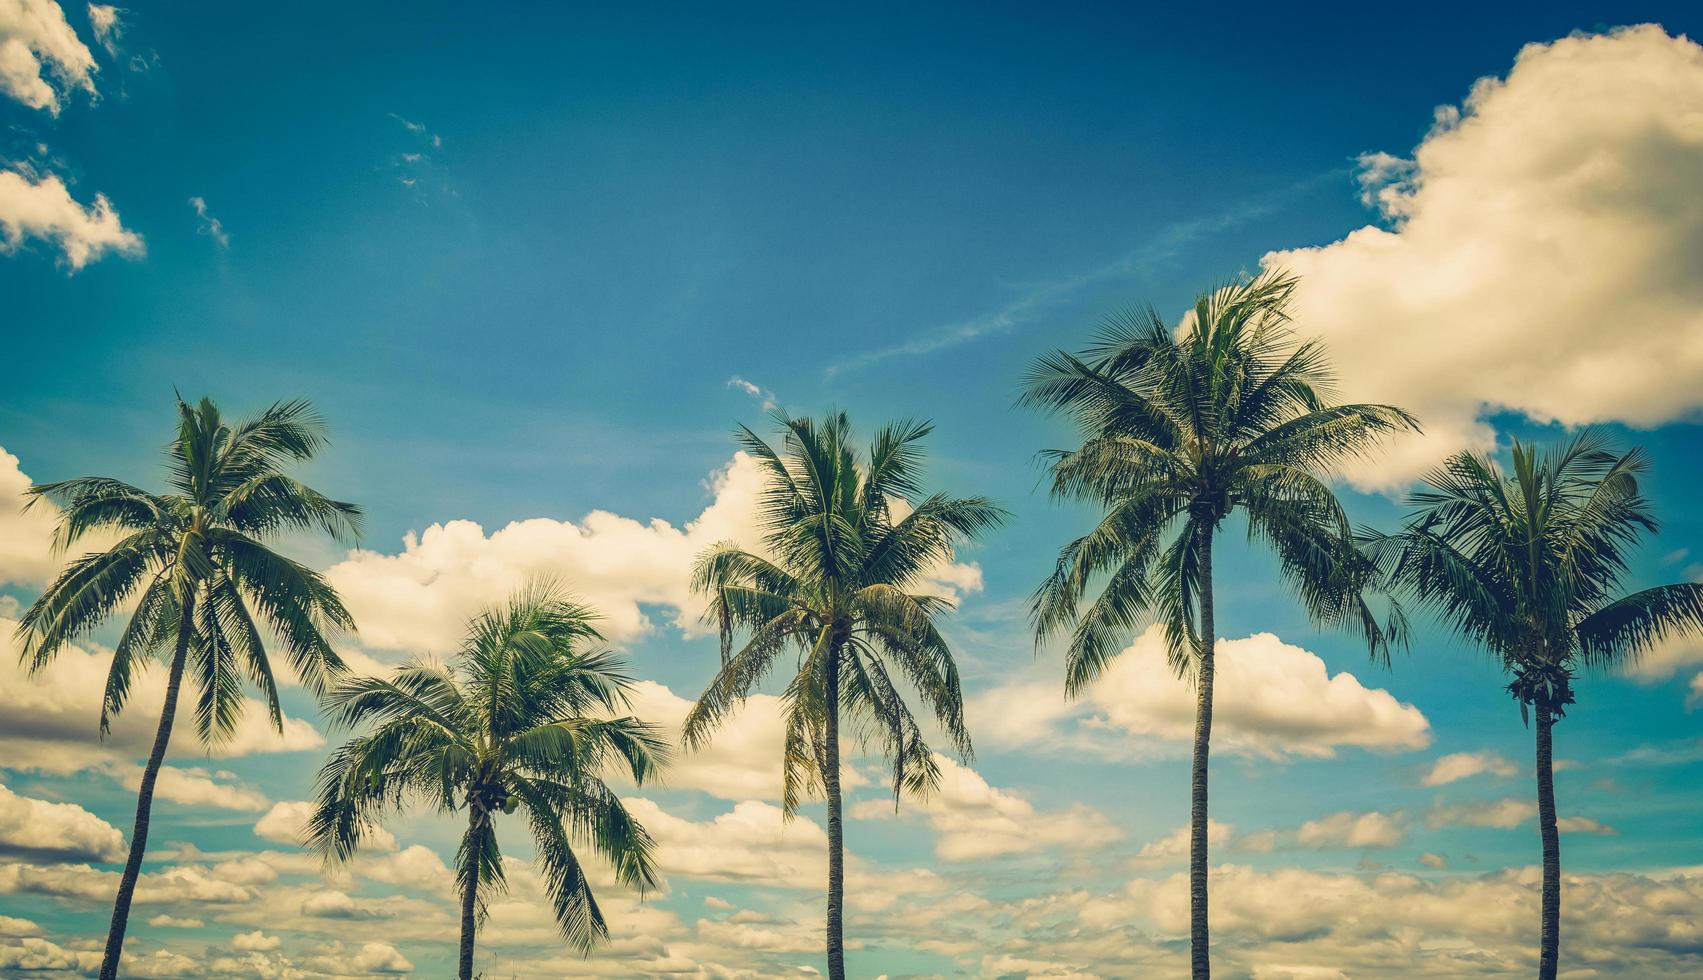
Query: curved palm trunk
{"points": [[1551, 939], [836, 836], [1200, 953], [145, 799], [470, 895]]}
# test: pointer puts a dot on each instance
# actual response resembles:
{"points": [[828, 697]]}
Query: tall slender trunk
{"points": [[1200, 946], [145, 798], [470, 894], [1551, 939], [836, 837]]}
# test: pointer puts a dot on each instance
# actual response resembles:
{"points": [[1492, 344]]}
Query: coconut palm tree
{"points": [[1180, 429], [1528, 565], [206, 585], [849, 538], [531, 723]]}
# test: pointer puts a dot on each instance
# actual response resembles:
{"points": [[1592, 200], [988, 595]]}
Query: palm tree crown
{"points": [[530, 721], [849, 538], [1528, 565], [197, 556], [1180, 429]]}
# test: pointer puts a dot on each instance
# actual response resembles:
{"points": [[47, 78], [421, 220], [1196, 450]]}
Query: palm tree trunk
{"points": [[470, 894], [145, 798], [1551, 939], [1200, 952], [836, 837]]}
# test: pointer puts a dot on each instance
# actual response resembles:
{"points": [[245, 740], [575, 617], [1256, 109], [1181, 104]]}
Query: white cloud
{"points": [[50, 721], [1668, 657], [56, 831], [35, 39], [742, 760], [750, 843], [1463, 765], [255, 942], [178, 884], [10, 926], [26, 538], [286, 821], [415, 866], [420, 600], [42, 208], [1175, 845], [1584, 825], [761, 394], [209, 225], [381, 958], [1504, 813], [974, 821], [1434, 861], [196, 787], [164, 921], [1351, 829], [1271, 699], [34, 954], [1542, 256], [107, 25]]}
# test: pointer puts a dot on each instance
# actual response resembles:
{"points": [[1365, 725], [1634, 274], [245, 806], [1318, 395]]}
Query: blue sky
{"points": [[534, 264]]}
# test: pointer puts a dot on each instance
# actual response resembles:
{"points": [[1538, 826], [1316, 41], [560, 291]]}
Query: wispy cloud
{"points": [[210, 226], [418, 168], [419, 128], [1040, 298], [756, 391], [108, 27]]}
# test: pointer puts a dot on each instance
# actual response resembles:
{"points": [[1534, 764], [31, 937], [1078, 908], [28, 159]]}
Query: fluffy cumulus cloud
{"points": [[1271, 699], [40, 207], [255, 942], [753, 843], [1351, 829], [742, 761], [1464, 765], [60, 831], [49, 721], [1670, 656], [286, 821], [26, 537], [41, 57], [197, 787], [42, 61], [1174, 846], [419, 599], [1540, 257], [975, 821], [1295, 923]]}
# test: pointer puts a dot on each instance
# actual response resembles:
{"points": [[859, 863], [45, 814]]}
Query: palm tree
{"points": [[530, 724], [1180, 429], [848, 542], [208, 584], [1528, 566]]}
